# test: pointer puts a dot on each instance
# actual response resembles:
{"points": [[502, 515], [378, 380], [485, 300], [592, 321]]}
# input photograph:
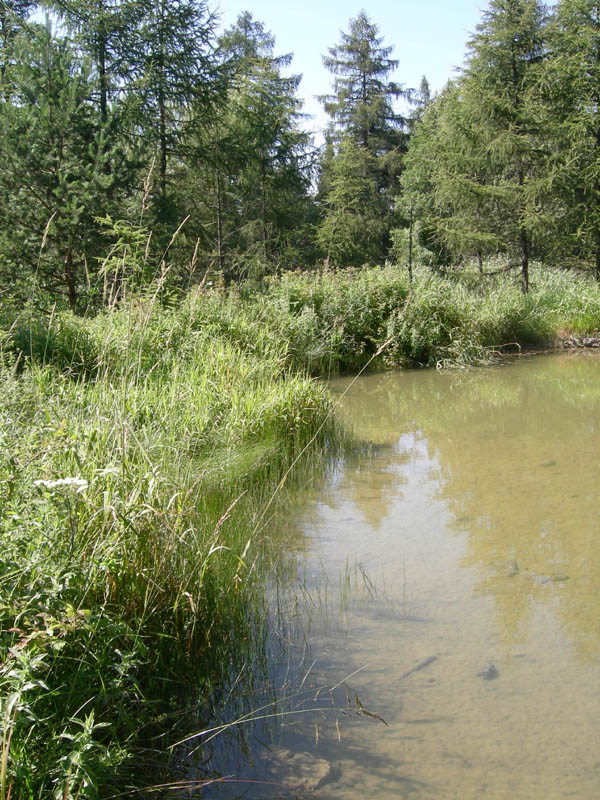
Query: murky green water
{"points": [[452, 569]]}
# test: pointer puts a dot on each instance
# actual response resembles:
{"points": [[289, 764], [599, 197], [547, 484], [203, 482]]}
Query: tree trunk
{"points": [[410, 246], [524, 261], [263, 199], [162, 111], [162, 137], [103, 81], [220, 255], [70, 279]]}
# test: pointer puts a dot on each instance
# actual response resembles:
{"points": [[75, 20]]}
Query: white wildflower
{"points": [[77, 483]]}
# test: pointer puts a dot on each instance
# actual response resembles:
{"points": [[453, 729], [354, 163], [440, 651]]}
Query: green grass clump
{"points": [[324, 322], [328, 322], [131, 496]]}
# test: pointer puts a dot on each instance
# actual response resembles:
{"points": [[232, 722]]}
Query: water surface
{"points": [[449, 587]]}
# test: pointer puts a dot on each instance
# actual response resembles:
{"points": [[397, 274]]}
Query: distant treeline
{"points": [[136, 143]]}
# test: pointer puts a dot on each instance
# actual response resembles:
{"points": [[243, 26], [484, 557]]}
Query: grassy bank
{"points": [[329, 322], [139, 454], [141, 451]]}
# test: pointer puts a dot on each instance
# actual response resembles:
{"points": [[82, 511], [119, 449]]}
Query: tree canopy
{"points": [[141, 113]]}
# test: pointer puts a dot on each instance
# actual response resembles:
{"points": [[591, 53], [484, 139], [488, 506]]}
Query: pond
{"points": [[443, 633]]}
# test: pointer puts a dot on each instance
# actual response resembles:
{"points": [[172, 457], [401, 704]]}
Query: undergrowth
{"points": [[328, 322]]}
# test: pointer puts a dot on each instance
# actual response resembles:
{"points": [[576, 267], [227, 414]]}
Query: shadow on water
{"points": [[434, 631]]}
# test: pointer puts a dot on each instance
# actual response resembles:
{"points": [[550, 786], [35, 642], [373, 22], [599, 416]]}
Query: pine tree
{"points": [[13, 13]]}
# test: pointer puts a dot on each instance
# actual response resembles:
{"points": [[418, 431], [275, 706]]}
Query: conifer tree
{"points": [[180, 80], [107, 31], [355, 215], [256, 157], [13, 13], [448, 183], [500, 107], [362, 114], [52, 178], [571, 86], [420, 101], [361, 105]]}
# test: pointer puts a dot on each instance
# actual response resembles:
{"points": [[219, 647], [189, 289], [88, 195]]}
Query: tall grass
{"points": [[328, 322], [140, 454], [131, 486]]}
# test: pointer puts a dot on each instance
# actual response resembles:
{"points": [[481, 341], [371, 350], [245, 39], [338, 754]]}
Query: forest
{"points": [[135, 127], [179, 262]]}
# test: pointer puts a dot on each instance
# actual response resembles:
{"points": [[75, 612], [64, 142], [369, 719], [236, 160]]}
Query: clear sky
{"points": [[428, 36]]}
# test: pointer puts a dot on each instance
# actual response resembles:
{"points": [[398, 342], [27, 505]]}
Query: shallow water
{"points": [[452, 569]]}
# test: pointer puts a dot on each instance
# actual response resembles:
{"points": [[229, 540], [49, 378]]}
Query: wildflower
{"points": [[78, 483]]}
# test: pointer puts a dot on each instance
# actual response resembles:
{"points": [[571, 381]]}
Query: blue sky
{"points": [[428, 36]]}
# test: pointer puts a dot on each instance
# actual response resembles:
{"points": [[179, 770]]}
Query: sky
{"points": [[428, 36]]}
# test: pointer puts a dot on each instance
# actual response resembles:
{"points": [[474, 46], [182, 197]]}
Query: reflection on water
{"points": [[452, 569]]}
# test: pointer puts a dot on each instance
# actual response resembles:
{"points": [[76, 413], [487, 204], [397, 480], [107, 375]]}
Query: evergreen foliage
{"points": [[151, 120], [53, 176], [253, 160], [363, 118], [362, 103], [571, 88], [353, 229], [158, 177]]}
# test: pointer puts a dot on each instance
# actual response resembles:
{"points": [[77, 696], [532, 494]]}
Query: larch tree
{"points": [[571, 85], [354, 219], [53, 183], [448, 181], [106, 30], [179, 80], [500, 104], [256, 156]]}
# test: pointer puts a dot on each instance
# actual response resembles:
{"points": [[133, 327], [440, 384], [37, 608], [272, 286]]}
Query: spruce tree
{"points": [[363, 115]]}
